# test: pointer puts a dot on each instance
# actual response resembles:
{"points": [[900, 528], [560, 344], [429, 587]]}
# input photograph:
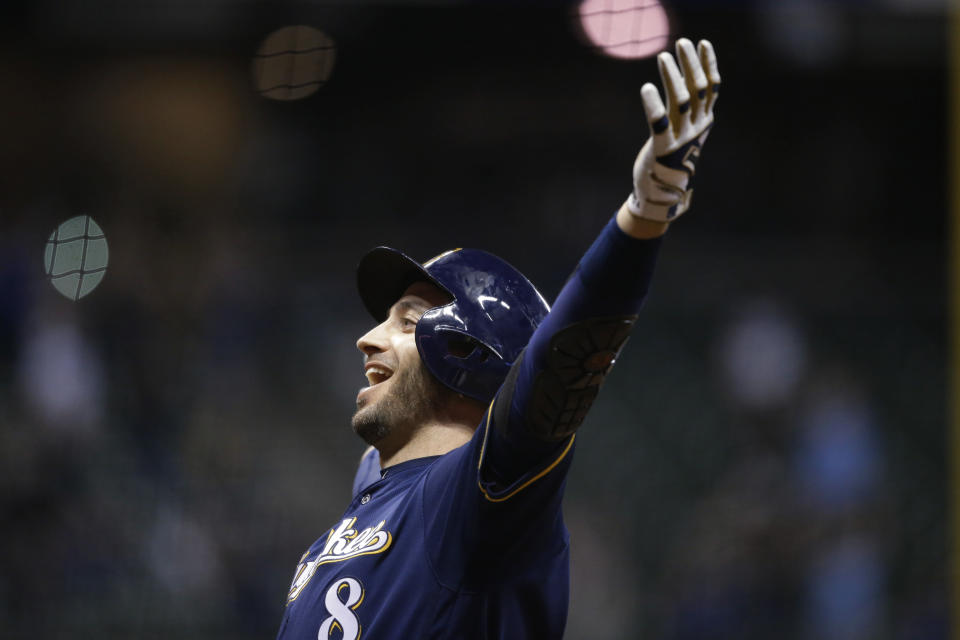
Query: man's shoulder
{"points": [[368, 471]]}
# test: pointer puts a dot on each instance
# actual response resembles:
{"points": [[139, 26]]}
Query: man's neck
{"points": [[431, 439]]}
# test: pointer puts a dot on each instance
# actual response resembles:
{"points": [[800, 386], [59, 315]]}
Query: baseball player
{"points": [[476, 390]]}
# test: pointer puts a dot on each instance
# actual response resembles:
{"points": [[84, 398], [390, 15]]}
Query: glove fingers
{"points": [[693, 76], [653, 108], [678, 98], [708, 61]]}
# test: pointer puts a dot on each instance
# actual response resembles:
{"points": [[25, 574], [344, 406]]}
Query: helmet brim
{"points": [[383, 275]]}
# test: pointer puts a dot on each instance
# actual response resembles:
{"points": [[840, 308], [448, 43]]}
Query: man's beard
{"points": [[415, 397]]}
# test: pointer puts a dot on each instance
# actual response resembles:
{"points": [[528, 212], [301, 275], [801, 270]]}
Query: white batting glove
{"points": [[667, 162]]}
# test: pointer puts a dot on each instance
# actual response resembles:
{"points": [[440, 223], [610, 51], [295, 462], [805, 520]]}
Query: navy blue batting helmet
{"points": [[470, 343]]}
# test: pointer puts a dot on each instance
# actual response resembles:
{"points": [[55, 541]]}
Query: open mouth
{"points": [[377, 374]]}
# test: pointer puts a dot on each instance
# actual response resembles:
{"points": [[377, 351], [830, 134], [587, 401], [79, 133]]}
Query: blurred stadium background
{"points": [[768, 459]]}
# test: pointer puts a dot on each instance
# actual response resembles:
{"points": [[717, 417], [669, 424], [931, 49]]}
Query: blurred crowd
{"points": [[166, 457]]}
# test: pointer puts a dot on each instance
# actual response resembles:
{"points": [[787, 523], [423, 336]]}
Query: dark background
{"points": [[767, 459]]}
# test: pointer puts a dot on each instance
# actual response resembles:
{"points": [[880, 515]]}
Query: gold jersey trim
{"points": [[530, 481]]}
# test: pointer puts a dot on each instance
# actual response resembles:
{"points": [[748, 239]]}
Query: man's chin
{"points": [[367, 424]]}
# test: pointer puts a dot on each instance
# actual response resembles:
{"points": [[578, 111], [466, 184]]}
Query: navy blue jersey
{"points": [[429, 551], [435, 547]]}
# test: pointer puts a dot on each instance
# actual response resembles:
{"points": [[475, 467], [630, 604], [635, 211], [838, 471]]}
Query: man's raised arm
{"points": [[550, 389]]}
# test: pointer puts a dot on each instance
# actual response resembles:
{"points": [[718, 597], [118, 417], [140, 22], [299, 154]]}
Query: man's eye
{"points": [[408, 322]]}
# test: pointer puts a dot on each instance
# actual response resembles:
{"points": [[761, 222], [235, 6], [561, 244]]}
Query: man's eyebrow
{"points": [[404, 304]]}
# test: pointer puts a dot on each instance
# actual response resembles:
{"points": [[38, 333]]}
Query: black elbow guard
{"points": [[579, 358]]}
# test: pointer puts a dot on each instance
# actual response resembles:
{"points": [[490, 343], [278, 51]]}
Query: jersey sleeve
{"points": [[475, 538]]}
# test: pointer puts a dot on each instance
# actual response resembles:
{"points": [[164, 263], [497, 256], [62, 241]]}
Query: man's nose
{"points": [[373, 341]]}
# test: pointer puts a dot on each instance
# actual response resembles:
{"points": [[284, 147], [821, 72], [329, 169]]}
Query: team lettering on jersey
{"points": [[343, 543]]}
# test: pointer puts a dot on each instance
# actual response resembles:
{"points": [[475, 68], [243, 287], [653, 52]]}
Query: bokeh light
{"points": [[763, 356], [293, 62], [76, 257], [625, 28], [177, 124]]}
